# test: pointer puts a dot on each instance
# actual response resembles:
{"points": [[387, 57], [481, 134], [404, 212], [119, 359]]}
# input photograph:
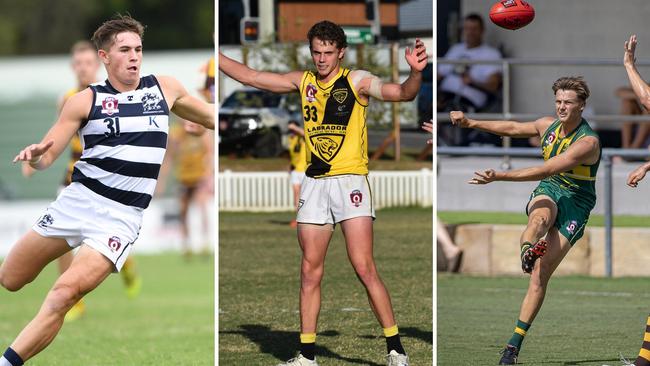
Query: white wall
{"points": [[594, 29]]}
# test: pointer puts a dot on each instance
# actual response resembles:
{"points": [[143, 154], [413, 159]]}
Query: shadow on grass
{"points": [[410, 332], [615, 361], [283, 345]]}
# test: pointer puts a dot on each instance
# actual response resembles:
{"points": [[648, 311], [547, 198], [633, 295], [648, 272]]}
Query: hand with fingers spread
{"points": [[33, 153], [637, 175], [458, 118], [417, 56], [630, 48], [428, 126], [485, 177]]}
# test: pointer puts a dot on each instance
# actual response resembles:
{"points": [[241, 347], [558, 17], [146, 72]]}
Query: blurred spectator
{"points": [[633, 134], [469, 88]]}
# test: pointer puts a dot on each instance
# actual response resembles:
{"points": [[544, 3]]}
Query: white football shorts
{"points": [[79, 215], [330, 200]]}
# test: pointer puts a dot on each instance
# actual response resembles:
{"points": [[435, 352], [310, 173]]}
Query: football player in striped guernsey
{"points": [[123, 125], [336, 188], [85, 65]]}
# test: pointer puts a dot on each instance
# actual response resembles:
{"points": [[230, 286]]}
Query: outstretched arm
{"points": [[503, 128], [585, 151], [637, 175], [370, 85], [273, 82], [42, 155], [640, 87], [185, 105]]}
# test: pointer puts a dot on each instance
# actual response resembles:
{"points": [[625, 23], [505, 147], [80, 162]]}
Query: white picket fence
{"points": [[271, 191]]}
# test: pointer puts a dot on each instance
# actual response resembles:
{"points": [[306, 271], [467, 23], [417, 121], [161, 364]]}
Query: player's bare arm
{"points": [[372, 86], [296, 129], [270, 81], [503, 128], [640, 87], [186, 105], [42, 155], [586, 151]]}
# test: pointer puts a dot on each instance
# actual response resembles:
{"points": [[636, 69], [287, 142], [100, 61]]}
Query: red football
{"points": [[512, 14]]}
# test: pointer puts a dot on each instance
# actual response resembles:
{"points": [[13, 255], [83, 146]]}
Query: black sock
{"points": [[394, 343], [11, 356], [308, 350]]}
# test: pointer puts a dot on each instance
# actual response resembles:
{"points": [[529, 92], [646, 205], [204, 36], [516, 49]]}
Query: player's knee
{"points": [[11, 283], [367, 273], [62, 297], [540, 221], [311, 275]]}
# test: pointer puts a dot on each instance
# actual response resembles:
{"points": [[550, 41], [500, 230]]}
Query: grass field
{"points": [[259, 261], [584, 321], [469, 217], [170, 323]]}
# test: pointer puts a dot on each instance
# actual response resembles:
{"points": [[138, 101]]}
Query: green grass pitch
{"points": [[170, 323], [584, 321], [259, 262]]}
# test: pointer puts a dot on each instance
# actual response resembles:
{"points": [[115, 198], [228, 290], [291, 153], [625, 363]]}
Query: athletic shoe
{"points": [[529, 255], [397, 359], [299, 361], [133, 288], [510, 354], [75, 312]]}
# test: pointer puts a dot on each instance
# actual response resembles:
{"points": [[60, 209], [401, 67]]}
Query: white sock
{"points": [[4, 362]]}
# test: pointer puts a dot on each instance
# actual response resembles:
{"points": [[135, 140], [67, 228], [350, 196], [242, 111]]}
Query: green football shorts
{"points": [[572, 209]]}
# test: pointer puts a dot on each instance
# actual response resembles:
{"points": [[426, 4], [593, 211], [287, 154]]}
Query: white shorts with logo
{"points": [[330, 200], [297, 177], [81, 216]]}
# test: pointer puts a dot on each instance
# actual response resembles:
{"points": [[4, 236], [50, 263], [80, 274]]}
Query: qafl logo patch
{"points": [[310, 93], [109, 106], [114, 243], [551, 138], [340, 95], [509, 3], [356, 197], [571, 228]]}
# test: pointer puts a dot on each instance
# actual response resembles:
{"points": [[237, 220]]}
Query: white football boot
{"points": [[300, 361], [397, 359]]}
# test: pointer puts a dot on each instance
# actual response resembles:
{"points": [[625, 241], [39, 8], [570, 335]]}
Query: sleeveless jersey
{"points": [[75, 145], [297, 153], [335, 126], [190, 165], [124, 142], [581, 179]]}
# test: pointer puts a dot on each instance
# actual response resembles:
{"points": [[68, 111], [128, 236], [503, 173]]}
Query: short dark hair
{"points": [[104, 36], [575, 83], [475, 17], [329, 32]]}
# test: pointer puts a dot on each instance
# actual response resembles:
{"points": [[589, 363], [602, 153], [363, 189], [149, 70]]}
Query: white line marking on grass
{"points": [[574, 293]]}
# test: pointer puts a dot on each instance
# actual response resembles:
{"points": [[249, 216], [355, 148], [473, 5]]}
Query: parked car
{"points": [[254, 122]]}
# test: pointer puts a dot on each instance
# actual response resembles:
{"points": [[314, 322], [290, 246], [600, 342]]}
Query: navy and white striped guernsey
{"points": [[124, 142]]}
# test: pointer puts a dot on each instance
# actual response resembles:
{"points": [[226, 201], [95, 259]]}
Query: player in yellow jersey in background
{"points": [[336, 189], [85, 65], [298, 159], [190, 152]]}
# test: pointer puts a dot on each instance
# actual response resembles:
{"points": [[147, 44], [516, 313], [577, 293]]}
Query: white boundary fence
{"points": [[271, 191]]}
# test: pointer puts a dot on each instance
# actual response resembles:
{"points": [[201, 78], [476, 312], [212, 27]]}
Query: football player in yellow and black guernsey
{"points": [[335, 189]]}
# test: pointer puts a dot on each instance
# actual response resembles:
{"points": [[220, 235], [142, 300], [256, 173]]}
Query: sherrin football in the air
{"points": [[512, 14]]}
